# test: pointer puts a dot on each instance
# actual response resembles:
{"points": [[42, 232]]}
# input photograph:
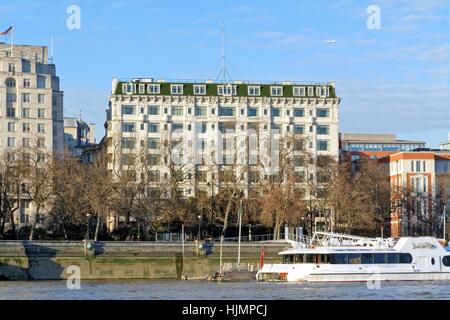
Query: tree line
{"points": [[80, 200]]}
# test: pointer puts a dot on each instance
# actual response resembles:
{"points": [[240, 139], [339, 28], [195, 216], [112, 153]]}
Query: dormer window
{"points": [[176, 89], [321, 91], [141, 88], [276, 91], [199, 89], [299, 91], [310, 91], [153, 89], [226, 90], [127, 88], [254, 90]]}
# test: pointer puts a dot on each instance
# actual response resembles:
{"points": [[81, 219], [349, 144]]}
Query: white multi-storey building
{"points": [[31, 105], [143, 113]]}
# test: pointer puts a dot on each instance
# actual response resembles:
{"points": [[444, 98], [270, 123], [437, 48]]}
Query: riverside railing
{"points": [[253, 238]]}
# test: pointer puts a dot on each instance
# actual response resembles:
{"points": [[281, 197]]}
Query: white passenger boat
{"points": [[330, 257]]}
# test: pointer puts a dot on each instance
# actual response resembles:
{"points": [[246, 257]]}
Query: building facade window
{"points": [[26, 112], [299, 91], [26, 127], [153, 127], [26, 83], [227, 111], [40, 83], [177, 111], [128, 143], [254, 90], [177, 127], [226, 90], [11, 127], [153, 143], [26, 97], [10, 112], [275, 112], [299, 129], [26, 66], [176, 88], [40, 143], [11, 67], [199, 89], [153, 89], [323, 145], [323, 129], [323, 112], [41, 98], [276, 91], [41, 128], [128, 127], [153, 110], [11, 142], [26, 142], [128, 110], [252, 112], [227, 127], [10, 83], [200, 111], [299, 112], [11, 97], [41, 113]]}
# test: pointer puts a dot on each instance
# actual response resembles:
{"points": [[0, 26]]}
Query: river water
{"points": [[181, 290]]}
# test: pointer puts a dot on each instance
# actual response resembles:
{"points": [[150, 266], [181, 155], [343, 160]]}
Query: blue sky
{"points": [[392, 80]]}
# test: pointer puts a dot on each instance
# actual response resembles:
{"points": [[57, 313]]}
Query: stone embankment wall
{"points": [[38, 260]]}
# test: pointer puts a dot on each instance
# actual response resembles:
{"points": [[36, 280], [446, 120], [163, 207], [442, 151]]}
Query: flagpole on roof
{"points": [[12, 39]]}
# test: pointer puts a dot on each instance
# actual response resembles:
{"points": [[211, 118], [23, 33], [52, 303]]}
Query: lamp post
{"points": [[210, 184], [199, 226], [87, 228]]}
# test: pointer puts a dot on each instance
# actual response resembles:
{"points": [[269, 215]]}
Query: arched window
{"points": [[10, 83]]}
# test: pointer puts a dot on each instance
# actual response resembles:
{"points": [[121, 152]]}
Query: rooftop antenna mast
{"points": [[223, 74], [51, 49]]}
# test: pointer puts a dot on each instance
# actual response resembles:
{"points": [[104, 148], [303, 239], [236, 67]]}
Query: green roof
{"points": [[211, 89]]}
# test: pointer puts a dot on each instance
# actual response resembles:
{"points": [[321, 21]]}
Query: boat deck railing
{"points": [[328, 239]]}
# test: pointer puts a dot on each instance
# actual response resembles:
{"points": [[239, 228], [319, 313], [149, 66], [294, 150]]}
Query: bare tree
{"points": [[36, 168], [10, 192], [281, 197]]}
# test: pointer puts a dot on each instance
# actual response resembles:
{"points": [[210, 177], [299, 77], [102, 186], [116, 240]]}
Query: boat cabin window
{"points": [[353, 258], [306, 258], [339, 259], [446, 261], [367, 258], [405, 258], [392, 258], [380, 258]]}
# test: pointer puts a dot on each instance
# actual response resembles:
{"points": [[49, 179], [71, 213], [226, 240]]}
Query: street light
{"points": [[87, 229], [199, 226]]}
